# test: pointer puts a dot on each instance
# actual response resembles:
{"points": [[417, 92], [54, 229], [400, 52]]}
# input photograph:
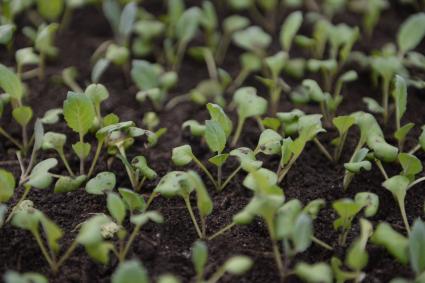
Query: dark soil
{"points": [[312, 177]]}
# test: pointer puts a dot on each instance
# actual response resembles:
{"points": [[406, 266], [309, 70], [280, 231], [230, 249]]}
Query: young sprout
{"points": [[182, 184], [231, 25], [249, 63], [342, 124], [153, 82], [371, 135], [79, 114], [407, 37], [147, 31], [7, 31], [26, 56], [272, 81], [421, 142], [314, 273], [118, 137], [400, 98], [69, 76], [289, 29], [56, 141], [248, 104], [371, 10], [253, 39], [236, 265], [347, 209], [186, 28]]}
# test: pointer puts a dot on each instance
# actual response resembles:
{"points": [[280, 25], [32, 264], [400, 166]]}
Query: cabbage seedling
{"points": [[371, 10], [182, 184], [79, 114], [153, 82], [235, 265], [249, 63], [342, 124], [347, 209], [248, 104], [370, 134], [253, 39], [118, 137], [400, 98]]}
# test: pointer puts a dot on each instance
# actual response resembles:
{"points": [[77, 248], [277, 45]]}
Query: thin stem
{"points": [[222, 231], [96, 157], [416, 182], [238, 80], [140, 184], [285, 170], [323, 149], [127, 167], [42, 66], [321, 243], [338, 150], [179, 56], [192, 216], [10, 138], [133, 235], [276, 251], [219, 177], [381, 168], [348, 176], [150, 199], [403, 215], [238, 132], [67, 254], [81, 158], [44, 251], [211, 66], [65, 162], [415, 149], [23, 197], [203, 168], [217, 275], [230, 177], [385, 97], [222, 48]]}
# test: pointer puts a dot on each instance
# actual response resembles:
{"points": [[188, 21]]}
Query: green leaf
{"points": [[50, 9], [132, 200], [116, 207], [104, 181], [100, 251], [187, 24], [347, 210], [97, 93], [314, 91], [357, 256], [411, 164], [7, 185], [27, 277], [203, 199], [199, 256], [395, 243], [369, 201], [90, 231], [68, 184], [302, 233], [173, 184], [358, 163], [400, 96], [44, 42], [253, 39], [411, 32], [40, 177], [53, 233], [79, 112], [22, 115], [401, 133], [51, 116], [343, 123], [270, 142], [248, 103], [215, 136], [140, 164], [397, 185], [217, 114], [372, 105], [219, 160], [82, 150], [268, 179], [182, 155], [143, 218], [417, 247], [52, 140], [314, 273], [127, 18], [131, 271], [246, 158], [289, 29], [234, 23], [10, 83], [196, 129], [238, 265]]}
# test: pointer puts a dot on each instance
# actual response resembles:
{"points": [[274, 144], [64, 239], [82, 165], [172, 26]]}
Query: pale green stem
{"points": [[127, 246], [192, 216], [230, 177], [323, 149], [403, 215], [415, 149], [221, 231], [321, 243], [65, 162], [385, 98], [23, 197], [10, 138], [241, 122], [96, 157], [203, 168], [381, 168], [44, 250], [217, 275], [67, 254]]}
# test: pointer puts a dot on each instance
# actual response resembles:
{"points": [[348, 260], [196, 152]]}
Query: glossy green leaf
{"points": [[215, 136], [104, 181], [22, 115], [182, 155], [79, 112]]}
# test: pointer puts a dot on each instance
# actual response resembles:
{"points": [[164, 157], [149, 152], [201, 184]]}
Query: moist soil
{"points": [[166, 248]]}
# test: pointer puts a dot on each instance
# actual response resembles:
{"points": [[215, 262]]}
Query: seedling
{"points": [[249, 63], [253, 39], [371, 11], [15, 277], [236, 265], [314, 273], [153, 82], [342, 124], [182, 184], [117, 138], [347, 209], [248, 105], [372, 136], [400, 98]]}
